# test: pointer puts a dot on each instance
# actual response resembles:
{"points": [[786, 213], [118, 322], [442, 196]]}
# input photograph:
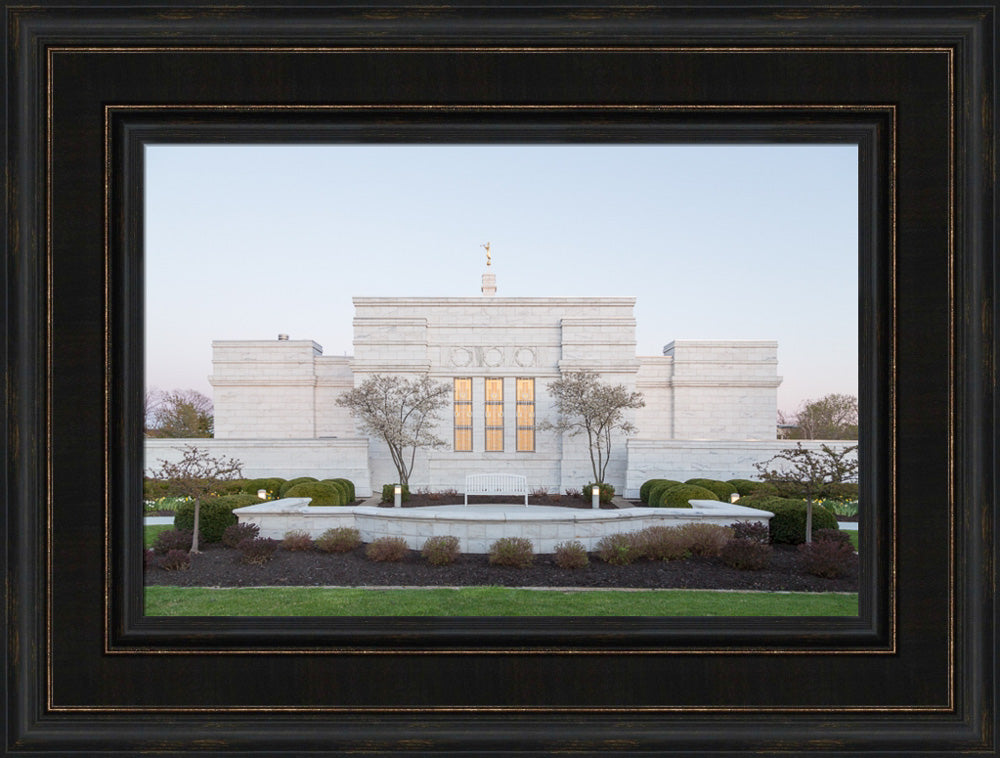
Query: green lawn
{"points": [[487, 601], [150, 532]]}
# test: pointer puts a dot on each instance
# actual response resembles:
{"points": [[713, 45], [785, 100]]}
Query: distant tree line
{"points": [[832, 417], [178, 413]]}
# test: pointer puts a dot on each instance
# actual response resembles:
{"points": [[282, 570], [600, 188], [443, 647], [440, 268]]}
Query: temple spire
{"points": [[489, 287]]}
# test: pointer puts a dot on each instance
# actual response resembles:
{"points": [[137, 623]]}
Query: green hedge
{"points": [[657, 490], [154, 489], [724, 490], [388, 496], [215, 514], [678, 496], [788, 526], [351, 495], [647, 487], [321, 493], [271, 483], [282, 492], [752, 487]]}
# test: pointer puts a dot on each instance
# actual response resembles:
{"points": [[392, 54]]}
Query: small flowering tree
{"points": [[196, 475], [403, 412], [586, 405], [811, 474]]}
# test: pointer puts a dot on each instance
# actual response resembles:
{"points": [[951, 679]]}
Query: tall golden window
{"points": [[463, 415], [525, 415], [494, 415]]}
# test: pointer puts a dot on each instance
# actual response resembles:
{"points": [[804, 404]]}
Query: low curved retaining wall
{"points": [[478, 526]]}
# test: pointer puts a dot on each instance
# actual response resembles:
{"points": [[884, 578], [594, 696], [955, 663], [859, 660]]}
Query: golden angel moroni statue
{"points": [[486, 247]]}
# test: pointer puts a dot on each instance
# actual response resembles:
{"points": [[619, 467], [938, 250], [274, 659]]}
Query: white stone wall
{"points": [[724, 389], [323, 459], [714, 459]]}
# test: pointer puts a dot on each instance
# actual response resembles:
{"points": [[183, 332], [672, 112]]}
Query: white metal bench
{"points": [[496, 484]]}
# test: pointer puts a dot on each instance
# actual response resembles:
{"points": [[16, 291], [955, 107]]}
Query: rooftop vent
{"points": [[283, 337]]}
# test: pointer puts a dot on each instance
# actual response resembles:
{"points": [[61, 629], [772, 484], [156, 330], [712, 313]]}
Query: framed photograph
{"points": [[100, 101]]}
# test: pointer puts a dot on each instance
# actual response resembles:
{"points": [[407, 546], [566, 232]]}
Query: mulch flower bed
{"points": [[218, 566]]}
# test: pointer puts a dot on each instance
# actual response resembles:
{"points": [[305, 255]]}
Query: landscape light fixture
{"points": [[397, 496], [595, 496], [734, 496], [262, 494]]}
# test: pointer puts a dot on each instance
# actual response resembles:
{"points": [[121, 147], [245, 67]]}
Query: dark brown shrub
{"points": [[441, 550], [571, 555], [173, 539], [746, 554], [833, 535], [342, 539], [391, 549], [758, 530], [517, 552], [257, 551], [619, 549], [705, 539], [297, 540], [826, 558], [661, 543], [176, 560], [234, 534]]}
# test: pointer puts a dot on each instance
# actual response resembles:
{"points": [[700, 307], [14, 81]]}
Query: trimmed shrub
{"points": [[297, 540], [619, 549], [173, 539], [706, 540], [441, 550], [154, 489], [607, 492], [656, 490], [388, 495], [647, 486], [176, 560], [216, 514], [272, 484], [746, 554], [723, 490], [662, 543], [758, 530], [833, 535], [826, 558], [236, 533], [342, 539], [844, 491], [752, 487], [321, 494], [343, 489], [391, 549], [257, 551], [349, 485], [789, 523], [678, 496], [292, 482], [571, 555], [230, 487], [516, 552]]}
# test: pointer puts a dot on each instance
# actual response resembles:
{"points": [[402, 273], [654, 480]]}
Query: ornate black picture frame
{"points": [[88, 86]]}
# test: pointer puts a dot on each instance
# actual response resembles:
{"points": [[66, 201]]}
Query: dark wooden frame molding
{"points": [[87, 85]]}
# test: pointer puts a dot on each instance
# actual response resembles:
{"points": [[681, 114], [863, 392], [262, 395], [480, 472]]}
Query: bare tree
{"points": [[196, 475], [811, 474], [585, 404], [180, 413], [403, 412], [831, 417]]}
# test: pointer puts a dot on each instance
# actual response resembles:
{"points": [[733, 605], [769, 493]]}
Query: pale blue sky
{"points": [[715, 242]]}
